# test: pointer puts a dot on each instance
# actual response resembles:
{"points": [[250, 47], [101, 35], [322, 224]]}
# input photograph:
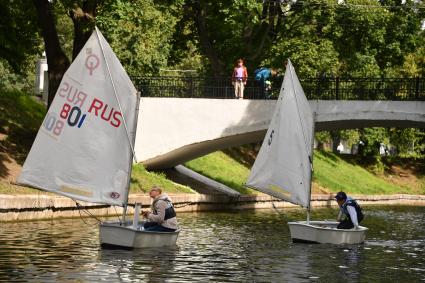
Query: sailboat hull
{"points": [[116, 234], [325, 232]]}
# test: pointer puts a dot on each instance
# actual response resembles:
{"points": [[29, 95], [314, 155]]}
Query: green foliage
{"points": [[18, 33], [185, 54], [17, 81], [310, 56], [351, 136], [413, 65], [373, 137], [409, 142], [322, 138], [140, 33], [361, 38]]}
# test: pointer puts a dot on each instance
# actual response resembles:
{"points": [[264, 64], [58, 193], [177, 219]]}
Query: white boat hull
{"points": [[116, 234], [324, 232]]}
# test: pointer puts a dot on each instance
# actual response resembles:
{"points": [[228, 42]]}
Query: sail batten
{"points": [[283, 165], [83, 149]]}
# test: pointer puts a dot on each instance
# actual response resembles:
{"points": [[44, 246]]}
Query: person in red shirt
{"points": [[239, 78]]}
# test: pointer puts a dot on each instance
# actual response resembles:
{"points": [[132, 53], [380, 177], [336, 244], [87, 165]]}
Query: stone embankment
{"points": [[31, 207]]}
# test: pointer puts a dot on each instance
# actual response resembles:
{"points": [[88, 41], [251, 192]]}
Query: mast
{"points": [[306, 145], [132, 139], [311, 164], [115, 91], [287, 143], [130, 167]]}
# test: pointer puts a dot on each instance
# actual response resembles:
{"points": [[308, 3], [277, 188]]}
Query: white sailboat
{"points": [[85, 147], [284, 165]]}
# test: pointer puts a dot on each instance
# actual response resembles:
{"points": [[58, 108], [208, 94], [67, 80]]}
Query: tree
{"points": [[408, 141], [140, 33], [83, 14], [18, 33], [227, 30]]}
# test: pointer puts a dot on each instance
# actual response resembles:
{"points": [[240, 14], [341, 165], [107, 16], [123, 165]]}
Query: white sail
{"points": [[283, 165], [83, 149]]}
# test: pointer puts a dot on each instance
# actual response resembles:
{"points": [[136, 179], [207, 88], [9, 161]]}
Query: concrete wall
{"points": [[172, 131], [32, 207]]}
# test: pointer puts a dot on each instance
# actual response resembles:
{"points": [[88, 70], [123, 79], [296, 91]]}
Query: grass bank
{"points": [[20, 118], [224, 169], [332, 173], [344, 173]]}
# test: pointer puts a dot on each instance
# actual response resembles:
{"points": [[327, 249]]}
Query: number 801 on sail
{"points": [[72, 116]]}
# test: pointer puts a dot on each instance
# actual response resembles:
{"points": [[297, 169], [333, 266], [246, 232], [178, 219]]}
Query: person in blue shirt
{"points": [[263, 75], [350, 209]]}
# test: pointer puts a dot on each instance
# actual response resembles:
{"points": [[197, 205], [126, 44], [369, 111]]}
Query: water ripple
{"points": [[221, 247]]}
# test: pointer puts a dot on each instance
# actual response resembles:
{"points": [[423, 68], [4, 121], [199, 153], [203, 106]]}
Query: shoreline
{"points": [[15, 208]]}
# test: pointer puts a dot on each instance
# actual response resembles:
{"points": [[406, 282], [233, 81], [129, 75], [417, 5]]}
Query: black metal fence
{"points": [[314, 88]]}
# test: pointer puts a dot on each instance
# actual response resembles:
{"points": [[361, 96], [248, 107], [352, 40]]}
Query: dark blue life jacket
{"points": [[169, 211], [353, 203]]}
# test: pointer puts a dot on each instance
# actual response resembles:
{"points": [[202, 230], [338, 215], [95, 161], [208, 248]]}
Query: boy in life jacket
{"points": [[162, 217], [239, 78], [350, 209]]}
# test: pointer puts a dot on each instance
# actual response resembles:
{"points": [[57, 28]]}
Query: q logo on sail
{"points": [[92, 61]]}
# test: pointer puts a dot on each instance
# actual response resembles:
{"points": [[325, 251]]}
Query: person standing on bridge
{"points": [[263, 75], [350, 209], [239, 78]]}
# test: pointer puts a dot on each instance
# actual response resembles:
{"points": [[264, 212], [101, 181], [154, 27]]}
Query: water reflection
{"points": [[221, 246], [132, 265]]}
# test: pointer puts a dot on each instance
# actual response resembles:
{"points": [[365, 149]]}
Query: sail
{"points": [[83, 149], [283, 165]]}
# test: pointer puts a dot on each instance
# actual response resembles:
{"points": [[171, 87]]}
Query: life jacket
{"points": [[169, 211], [353, 203]]}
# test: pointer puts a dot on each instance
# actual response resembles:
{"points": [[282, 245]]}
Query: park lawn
{"points": [[336, 174], [330, 172], [143, 180], [20, 117]]}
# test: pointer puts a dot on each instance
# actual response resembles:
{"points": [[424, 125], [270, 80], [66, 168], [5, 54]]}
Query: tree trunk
{"points": [[56, 59], [271, 18], [255, 40], [84, 22], [199, 19]]}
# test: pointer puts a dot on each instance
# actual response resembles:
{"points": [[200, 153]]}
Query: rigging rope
{"points": [[81, 208], [119, 218]]}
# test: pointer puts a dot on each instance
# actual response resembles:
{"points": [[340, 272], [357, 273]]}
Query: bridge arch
{"points": [[172, 131]]}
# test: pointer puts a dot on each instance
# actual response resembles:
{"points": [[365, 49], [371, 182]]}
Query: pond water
{"points": [[247, 246]]}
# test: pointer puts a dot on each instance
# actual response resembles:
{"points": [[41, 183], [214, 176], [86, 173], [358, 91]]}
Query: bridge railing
{"points": [[314, 88]]}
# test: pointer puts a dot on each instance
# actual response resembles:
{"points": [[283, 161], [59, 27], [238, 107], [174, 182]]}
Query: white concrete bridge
{"points": [[172, 131]]}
